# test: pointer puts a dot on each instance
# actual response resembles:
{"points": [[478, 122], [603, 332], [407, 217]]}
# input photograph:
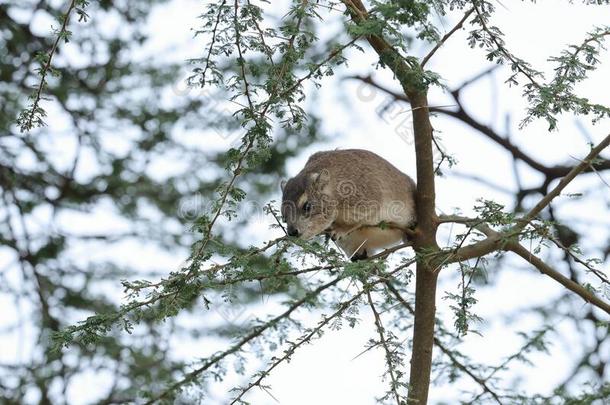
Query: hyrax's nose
{"points": [[292, 231]]}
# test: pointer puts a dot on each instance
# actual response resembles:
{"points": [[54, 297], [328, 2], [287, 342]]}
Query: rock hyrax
{"points": [[355, 196]]}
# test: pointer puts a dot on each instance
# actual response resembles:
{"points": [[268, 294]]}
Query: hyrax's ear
{"points": [[320, 178], [283, 185]]}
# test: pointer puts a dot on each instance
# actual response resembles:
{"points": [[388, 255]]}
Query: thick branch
{"points": [[563, 280], [496, 240], [415, 89], [493, 240], [426, 274]]}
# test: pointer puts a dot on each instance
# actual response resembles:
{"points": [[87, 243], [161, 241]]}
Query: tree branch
{"points": [[551, 172], [496, 240], [544, 268], [448, 352], [446, 37], [255, 333], [388, 353], [32, 116], [576, 170], [415, 89]]}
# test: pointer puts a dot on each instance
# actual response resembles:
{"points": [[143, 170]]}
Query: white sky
{"points": [[326, 372]]}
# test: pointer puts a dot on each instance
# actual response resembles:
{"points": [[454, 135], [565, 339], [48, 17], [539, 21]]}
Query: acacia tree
{"points": [[86, 182], [265, 66]]}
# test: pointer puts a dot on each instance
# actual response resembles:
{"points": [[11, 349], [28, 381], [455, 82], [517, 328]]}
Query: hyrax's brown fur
{"points": [[358, 198]]}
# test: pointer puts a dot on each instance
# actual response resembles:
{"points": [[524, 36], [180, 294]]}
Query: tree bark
{"points": [[425, 242], [411, 79], [423, 335]]}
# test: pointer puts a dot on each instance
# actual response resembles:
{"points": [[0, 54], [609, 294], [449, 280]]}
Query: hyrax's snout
{"points": [[292, 230]]}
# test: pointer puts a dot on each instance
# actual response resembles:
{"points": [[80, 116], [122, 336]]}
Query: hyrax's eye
{"points": [[306, 207]]}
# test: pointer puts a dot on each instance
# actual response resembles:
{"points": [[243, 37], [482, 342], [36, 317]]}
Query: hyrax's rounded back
{"points": [[363, 182]]}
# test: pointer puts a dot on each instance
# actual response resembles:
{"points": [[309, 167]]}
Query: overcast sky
{"points": [[330, 371]]}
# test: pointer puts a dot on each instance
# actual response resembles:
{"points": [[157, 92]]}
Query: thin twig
{"points": [[516, 64], [576, 170], [512, 357], [384, 344], [602, 277], [306, 338], [449, 353], [46, 67], [446, 37], [272, 211], [212, 42], [258, 331]]}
